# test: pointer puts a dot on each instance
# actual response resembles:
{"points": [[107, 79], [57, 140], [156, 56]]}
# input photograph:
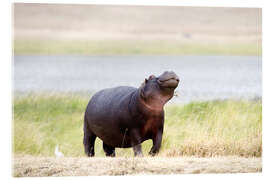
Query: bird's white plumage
{"points": [[57, 152]]}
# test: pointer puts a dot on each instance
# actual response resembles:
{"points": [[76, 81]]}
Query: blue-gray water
{"points": [[202, 77]]}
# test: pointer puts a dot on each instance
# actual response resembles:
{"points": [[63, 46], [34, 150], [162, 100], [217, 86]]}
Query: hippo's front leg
{"points": [[157, 139]]}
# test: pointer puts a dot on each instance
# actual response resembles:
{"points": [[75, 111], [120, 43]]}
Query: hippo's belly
{"points": [[112, 136]]}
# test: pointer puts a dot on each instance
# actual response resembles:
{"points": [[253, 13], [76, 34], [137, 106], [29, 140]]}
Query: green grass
{"points": [[132, 47], [199, 129]]}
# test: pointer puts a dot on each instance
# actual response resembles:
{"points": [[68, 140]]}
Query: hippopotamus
{"points": [[125, 116]]}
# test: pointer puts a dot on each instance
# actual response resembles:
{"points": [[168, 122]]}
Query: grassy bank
{"points": [[132, 47], [198, 129]]}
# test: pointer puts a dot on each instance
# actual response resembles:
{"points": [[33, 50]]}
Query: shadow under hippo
{"points": [[125, 116]]}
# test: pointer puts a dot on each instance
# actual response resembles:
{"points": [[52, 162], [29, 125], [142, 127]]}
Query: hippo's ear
{"points": [[146, 80], [152, 77]]}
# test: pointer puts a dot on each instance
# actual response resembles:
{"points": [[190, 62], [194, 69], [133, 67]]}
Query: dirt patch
{"points": [[83, 166]]}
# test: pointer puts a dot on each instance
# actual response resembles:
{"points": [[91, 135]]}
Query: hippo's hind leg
{"points": [[138, 150], [136, 142], [89, 141], [109, 150]]}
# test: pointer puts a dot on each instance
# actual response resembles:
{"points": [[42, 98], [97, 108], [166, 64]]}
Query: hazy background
{"points": [[105, 29]]}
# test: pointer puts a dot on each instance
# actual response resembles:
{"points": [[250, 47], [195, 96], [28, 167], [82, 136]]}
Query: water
{"points": [[201, 77]]}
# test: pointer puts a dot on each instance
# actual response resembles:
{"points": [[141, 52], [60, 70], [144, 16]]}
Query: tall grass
{"points": [[199, 129], [214, 128]]}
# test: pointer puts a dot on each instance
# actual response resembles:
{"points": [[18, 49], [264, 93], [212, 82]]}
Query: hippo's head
{"points": [[156, 91]]}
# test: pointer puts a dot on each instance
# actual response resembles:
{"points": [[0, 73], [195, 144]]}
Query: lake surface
{"points": [[201, 77]]}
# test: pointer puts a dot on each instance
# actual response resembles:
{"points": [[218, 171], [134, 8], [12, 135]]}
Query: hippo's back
{"points": [[109, 99]]}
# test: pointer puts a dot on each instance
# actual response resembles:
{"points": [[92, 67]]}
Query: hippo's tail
{"points": [[85, 129], [85, 123]]}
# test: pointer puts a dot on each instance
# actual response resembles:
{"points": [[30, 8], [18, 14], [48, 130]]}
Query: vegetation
{"points": [[132, 47], [202, 129]]}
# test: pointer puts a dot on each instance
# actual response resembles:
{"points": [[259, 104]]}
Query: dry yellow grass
{"points": [[83, 166]]}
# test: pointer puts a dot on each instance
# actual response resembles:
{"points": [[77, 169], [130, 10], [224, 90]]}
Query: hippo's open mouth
{"points": [[168, 80]]}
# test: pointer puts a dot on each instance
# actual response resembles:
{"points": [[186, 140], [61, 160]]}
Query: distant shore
{"points": [[114, 30]]}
